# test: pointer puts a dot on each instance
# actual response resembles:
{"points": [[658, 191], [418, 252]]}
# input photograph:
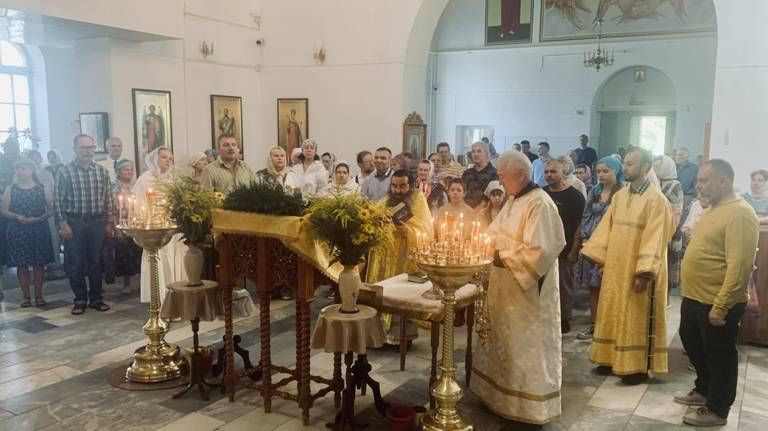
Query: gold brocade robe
{"points": [[392, 259], [632, 238], [520, 375]]}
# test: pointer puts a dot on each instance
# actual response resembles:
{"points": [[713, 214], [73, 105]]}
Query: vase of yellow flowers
{"points": [[191, 207], [351, 225]]}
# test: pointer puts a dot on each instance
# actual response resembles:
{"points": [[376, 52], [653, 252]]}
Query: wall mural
{"points": [[508, 21], [576, 19]]}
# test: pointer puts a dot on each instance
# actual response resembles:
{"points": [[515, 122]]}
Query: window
{"points": [[15, 97], [649, 132]]}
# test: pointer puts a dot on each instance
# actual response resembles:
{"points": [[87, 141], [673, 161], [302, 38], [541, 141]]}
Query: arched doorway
{"points": [[637, 106]]}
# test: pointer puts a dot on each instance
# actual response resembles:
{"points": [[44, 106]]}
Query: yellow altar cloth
{"points": [[290, 230]]}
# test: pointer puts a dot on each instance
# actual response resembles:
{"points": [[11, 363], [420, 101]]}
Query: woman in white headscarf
{"points": [[758, 196], [277, 170], [570, 178], [310, 173], [341, 183], [196, 162], [433, 190], [666, 171], [171, 257]]}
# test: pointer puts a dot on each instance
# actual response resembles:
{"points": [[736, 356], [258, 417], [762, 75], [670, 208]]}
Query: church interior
{"points": [[185, 77]]}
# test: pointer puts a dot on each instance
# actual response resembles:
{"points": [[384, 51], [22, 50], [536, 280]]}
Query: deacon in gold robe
{"points": [[630, 244], [519, 376], [411, 217]]}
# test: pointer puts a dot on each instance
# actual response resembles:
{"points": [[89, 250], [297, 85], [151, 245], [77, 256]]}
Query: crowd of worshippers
{"points": [[628, 227]]}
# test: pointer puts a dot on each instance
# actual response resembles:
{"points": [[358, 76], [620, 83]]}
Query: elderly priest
{"points": [[519, 376]]}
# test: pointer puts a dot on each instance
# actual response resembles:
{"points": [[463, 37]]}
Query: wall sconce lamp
{"points": [[319, 55], [206, 49]]}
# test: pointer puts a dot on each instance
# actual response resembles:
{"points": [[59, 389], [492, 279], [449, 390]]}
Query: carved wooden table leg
{"points": [[302, 357], [468, 357], [266, 358], [403, 343], [434, 344], [230, 377], [338, 382]]}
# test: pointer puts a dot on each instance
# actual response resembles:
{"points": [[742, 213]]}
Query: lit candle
{"points": [[442, 232]]}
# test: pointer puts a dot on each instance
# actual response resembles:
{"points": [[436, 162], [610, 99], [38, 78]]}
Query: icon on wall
{"points": [[96, 125], [508, 21], [151, 123], [292, 123], [227, 119]]}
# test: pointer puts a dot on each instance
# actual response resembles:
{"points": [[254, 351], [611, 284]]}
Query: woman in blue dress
{"points": [[610, 178], [28, 205]]}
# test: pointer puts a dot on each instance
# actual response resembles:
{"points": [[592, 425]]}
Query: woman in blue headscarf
{"points": [[610, 179]]}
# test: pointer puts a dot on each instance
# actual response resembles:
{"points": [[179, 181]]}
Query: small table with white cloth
{"points": [[349, 333], [403, 298]]}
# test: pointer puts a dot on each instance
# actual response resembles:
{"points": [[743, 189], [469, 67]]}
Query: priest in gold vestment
{"points": [[520, 374], [392, 259], [630, 244]]}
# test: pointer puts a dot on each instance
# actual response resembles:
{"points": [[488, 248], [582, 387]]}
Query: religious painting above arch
{"points": [[577, 19], [151, 123], [508, 21], [227, 119], [292, 123], [415, 136]]}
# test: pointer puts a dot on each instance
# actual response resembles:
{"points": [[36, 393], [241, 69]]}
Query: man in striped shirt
{"points": [[228, 170], [84, 211]]}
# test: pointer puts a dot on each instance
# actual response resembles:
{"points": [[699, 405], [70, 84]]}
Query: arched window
{"points": [[15, 97]]}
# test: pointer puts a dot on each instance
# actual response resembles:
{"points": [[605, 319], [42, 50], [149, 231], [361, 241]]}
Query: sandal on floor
{"points": [[25, 303], [40, 302], [78, 310], [100, 306]]}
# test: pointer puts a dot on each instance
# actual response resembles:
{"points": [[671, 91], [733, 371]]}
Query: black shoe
{"points": [[634, 379], [565, 326], [603, 370]]}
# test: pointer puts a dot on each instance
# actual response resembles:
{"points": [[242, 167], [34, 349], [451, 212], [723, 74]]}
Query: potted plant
{"points": [[350, 225], [191, 208]]}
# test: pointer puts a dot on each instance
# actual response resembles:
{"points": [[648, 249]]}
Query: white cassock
{"points": [[170, 258], [519, 377]]}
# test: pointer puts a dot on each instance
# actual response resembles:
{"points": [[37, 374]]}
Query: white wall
{"points": [[148, 16], [543, 92], [370, 80], [739, 126]]}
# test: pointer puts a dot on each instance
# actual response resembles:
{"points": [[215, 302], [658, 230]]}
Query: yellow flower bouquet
{"points": [[351, 225], [191, 207]]}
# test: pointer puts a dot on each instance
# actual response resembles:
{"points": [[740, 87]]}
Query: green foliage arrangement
{"points": [[264, 198], [191, 207], [351, 225]]}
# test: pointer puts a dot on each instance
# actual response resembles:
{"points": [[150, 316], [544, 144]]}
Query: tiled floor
{"points": [[53, 376]]}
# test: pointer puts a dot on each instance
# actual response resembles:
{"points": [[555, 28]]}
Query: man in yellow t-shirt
{"points": [[716, 268]]}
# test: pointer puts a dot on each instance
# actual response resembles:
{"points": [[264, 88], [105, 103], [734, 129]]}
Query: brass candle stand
{"points": [[158, 361], [450, 266]]}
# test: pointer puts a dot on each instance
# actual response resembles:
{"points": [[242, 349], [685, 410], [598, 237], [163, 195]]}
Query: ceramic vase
{"points": [[349, 288], [193, 265]]}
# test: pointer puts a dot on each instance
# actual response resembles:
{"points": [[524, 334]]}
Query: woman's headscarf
{"points": [[493, 185], [613, 164], [279, 176], [349, 171], [668, 169], [193, 158], [119, 167], [762, 193], [151, 162], [568, 164], [588, 171], [402, 161]]}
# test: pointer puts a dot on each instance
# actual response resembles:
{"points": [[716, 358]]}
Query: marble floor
{"points": [[53, 376]]}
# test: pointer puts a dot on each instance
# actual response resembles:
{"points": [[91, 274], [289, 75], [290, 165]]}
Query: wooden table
{"points": [[268, 263], [351, 333], [404, 299], [754, 329]]}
